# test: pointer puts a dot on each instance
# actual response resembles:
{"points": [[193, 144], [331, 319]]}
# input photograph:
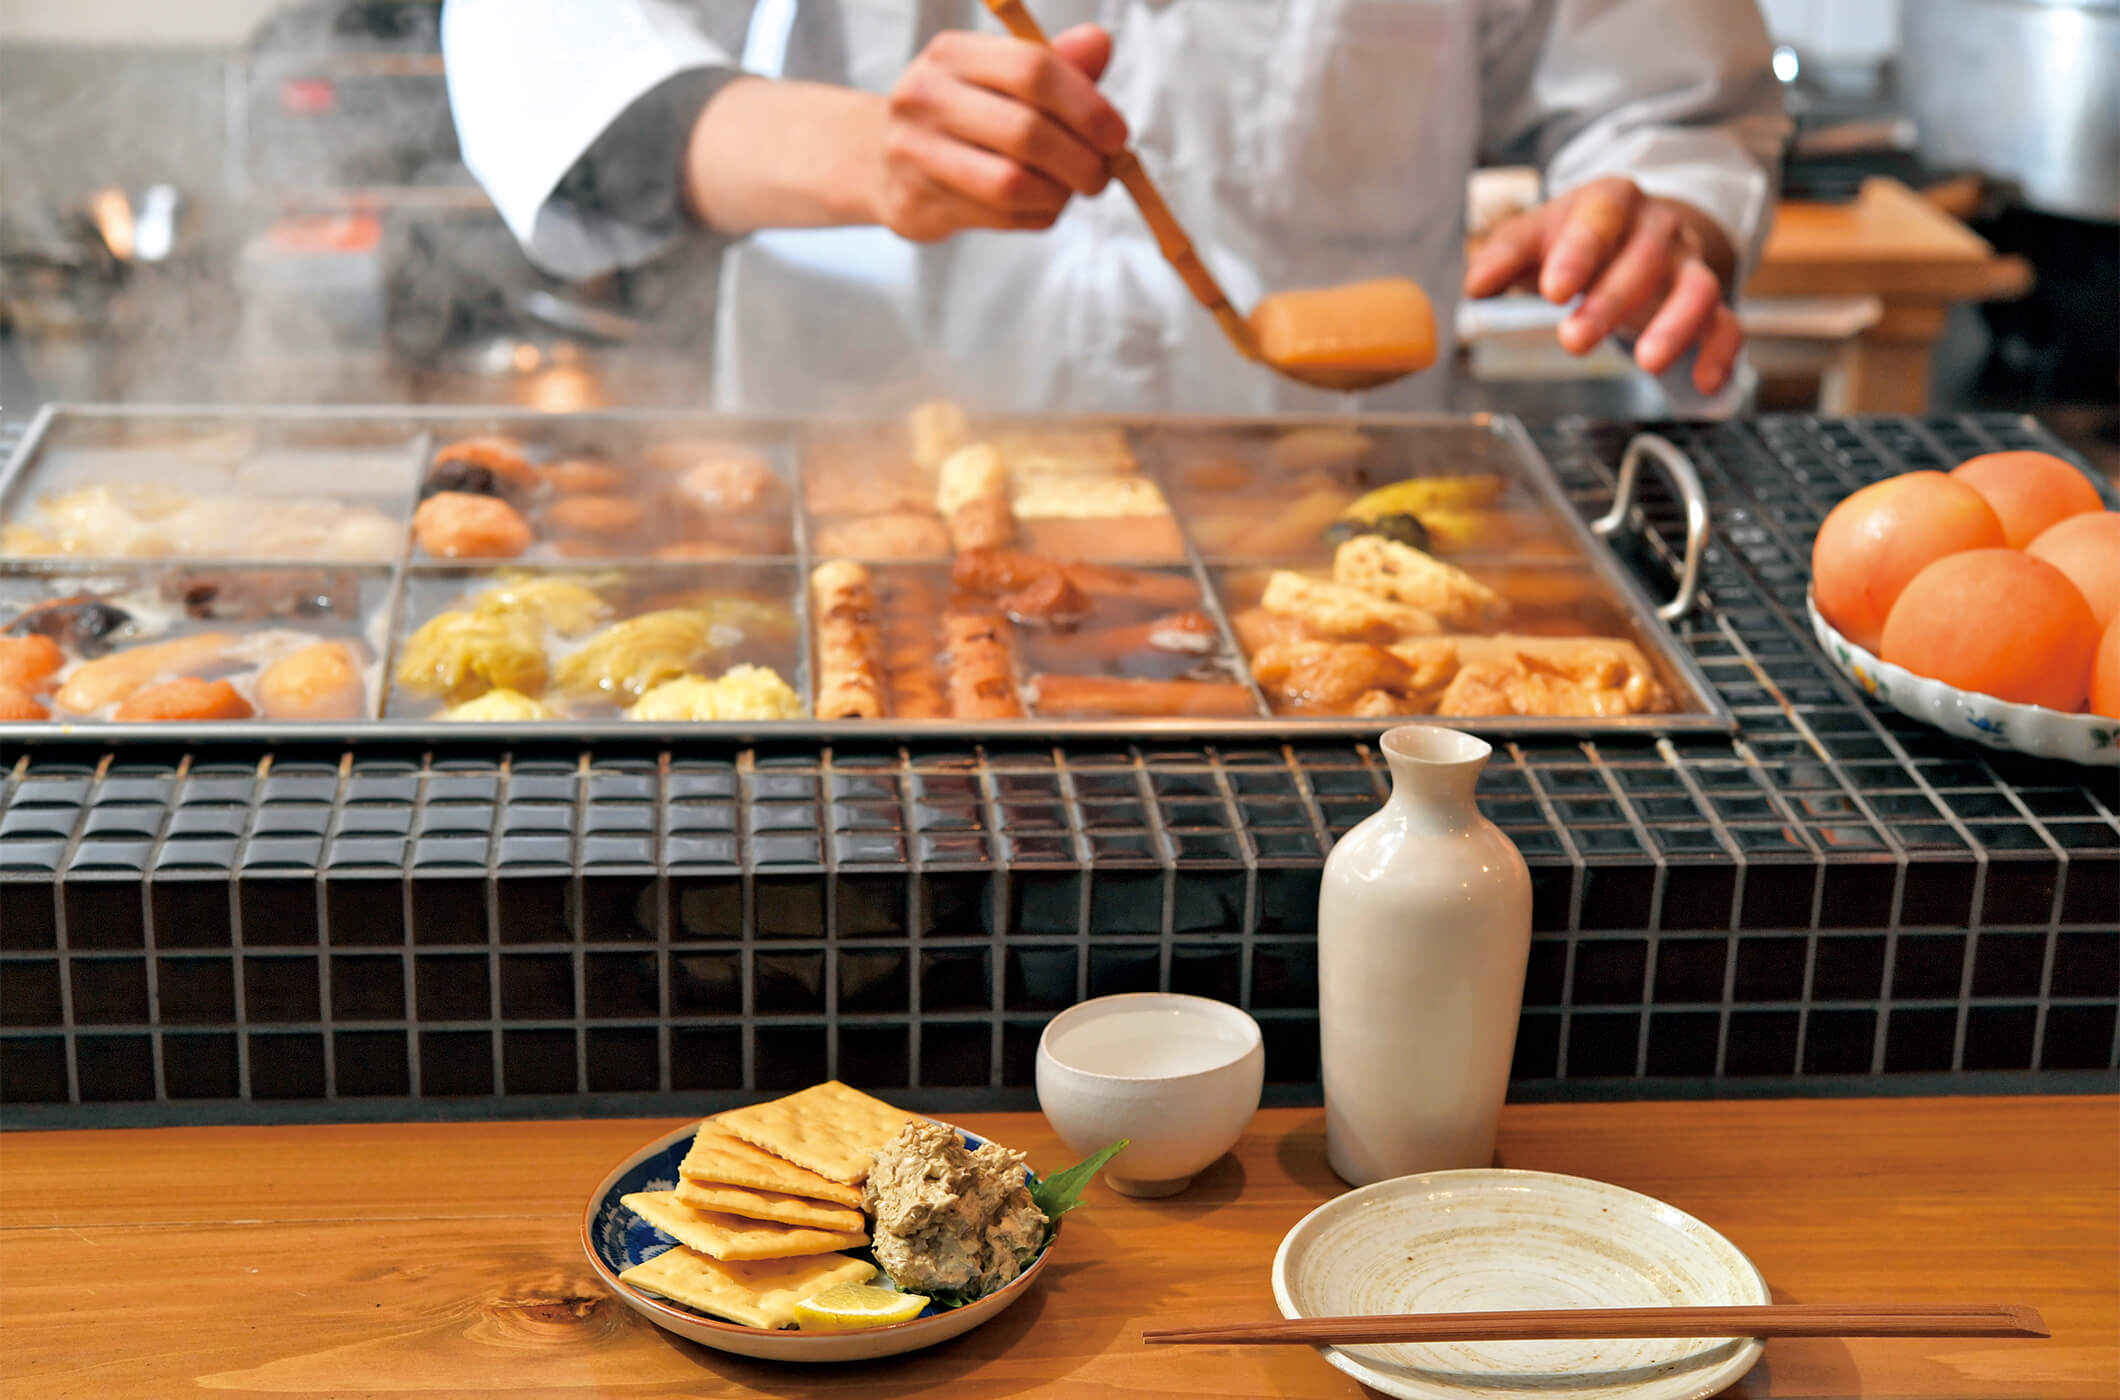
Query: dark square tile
{"points": [[538, 1061], [863, 816], [1918, 1039], [1686, 840], [287, 1066], [1839, 1042], [1284, 975], [282, 990], [1118, 968], [1274, 812], [1605, 840], [452, 987], [1601, 1044], [28, 915], [1616, 896], [1538, 1047], [708, 1057], [1019, 1053], [2008, 964], [1769, 969], [29, 994], [1848, 969], [1131, 901], [1858, 896], [1690, 969], [959, 904], [363, 987], [870, 906], [1697, 896], [869, 848], [875, 1058], [706, 907], [874, 979], [455, 1064], [1682, 1044], [1291, 1049], [33, 1070], [2087, 964], [955, 979], [2077, 1037], [1552, 897], [2092, 894], [2000, 1037], [1267, 783], [623, 1059], [2019, 891], [1928, 966], [104, 913], [109, 991], [620, 984], [1778, 895], [1609, 972], [1121, 848], [446, 911], [359, 913], [534, 908], [621, 907], [785, 982], [1288, 899], [1040, 978], [789, 906], [200, 1067], [1040, 850], [787, 850], [1760, 1042], [1212, 970], [706, 984], [1207, 901], [1545, 974], [956, 1053]]}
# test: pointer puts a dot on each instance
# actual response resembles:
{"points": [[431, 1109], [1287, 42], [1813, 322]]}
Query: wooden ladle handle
{"points": [[1177, 249]]}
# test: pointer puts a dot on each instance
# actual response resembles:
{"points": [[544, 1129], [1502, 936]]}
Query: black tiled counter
{"points": [[1837, 899]]}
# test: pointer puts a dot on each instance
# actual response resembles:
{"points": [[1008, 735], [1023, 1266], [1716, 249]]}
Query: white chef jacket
{"points": [[1301, 142]]}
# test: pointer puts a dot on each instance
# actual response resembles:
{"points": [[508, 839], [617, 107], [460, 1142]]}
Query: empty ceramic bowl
{"points": [[1177, 1076]]}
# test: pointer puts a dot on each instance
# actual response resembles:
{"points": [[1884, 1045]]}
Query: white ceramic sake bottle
{"points": [[1424, 927]]}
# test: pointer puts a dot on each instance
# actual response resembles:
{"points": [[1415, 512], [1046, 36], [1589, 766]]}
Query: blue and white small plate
{"points": [[2000, 724], [615, 1239]]}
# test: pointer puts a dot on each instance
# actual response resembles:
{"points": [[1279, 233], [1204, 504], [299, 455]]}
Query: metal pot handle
{"points": [[1690, 492]]}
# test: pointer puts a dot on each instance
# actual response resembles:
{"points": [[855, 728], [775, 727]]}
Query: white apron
{"points": [[1301, 142]]}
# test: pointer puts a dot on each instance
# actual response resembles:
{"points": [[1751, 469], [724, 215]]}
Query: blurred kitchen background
{"points": [[261, 200]]}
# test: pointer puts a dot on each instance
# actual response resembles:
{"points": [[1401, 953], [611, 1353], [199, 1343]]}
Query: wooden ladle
{"points": [[1362, 366]]}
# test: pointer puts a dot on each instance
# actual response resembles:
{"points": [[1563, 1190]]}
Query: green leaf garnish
{"points": [[1061, 1192]]}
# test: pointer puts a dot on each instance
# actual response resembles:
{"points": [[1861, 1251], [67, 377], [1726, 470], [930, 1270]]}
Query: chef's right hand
{"points": [[986, 131]]}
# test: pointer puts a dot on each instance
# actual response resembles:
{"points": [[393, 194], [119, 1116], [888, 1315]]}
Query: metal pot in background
{"points": [[2025, 91]]}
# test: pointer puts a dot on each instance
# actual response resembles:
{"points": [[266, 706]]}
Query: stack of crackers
{"points": [[766, 1199]]}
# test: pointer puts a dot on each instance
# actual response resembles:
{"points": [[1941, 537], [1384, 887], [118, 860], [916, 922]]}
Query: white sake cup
{"points": [[1177, 1076]]}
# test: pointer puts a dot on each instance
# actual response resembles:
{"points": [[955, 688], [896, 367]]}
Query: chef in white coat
{"points": [[915, 203]]}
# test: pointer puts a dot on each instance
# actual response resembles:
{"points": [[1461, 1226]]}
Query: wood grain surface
{"points": [[443, 1259]]}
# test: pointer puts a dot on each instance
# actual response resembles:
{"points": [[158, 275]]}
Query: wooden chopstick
{"points": [[1779, 1320]]}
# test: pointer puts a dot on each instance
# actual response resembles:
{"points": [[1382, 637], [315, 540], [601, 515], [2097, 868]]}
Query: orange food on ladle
{"points": [[1381, 326]]}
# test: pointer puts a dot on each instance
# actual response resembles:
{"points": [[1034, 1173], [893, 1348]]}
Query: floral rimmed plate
{"points": [[2000, 724], [1497, 1240], [615, 1239]]}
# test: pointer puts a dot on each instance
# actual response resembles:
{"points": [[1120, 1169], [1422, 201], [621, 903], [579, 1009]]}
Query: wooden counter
{"points": [[442, 1259]]}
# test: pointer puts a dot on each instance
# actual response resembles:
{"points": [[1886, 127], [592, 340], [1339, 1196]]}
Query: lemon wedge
{"points": [[854, 1307]]}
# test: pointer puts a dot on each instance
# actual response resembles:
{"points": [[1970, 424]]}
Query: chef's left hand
{"points": [[1652, 267]]}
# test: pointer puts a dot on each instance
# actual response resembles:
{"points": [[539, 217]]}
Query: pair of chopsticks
{"points": [[1567, 1324]]}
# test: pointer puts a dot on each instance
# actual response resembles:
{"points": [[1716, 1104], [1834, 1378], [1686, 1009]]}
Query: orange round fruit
{"points": [[1877, 539], [2086, 547], [2105, 674], [2029, 491], [1999, 622]]}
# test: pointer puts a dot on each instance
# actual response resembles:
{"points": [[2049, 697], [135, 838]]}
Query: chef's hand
{"points": [[986, 131], [1652, 267]]}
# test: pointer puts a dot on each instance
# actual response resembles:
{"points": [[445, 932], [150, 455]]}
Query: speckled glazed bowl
{"points": [[1491, 1240], [2031, 729]]}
